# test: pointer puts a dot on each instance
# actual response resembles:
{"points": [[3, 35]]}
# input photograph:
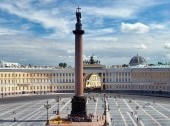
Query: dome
{"points": [[137, 60]]}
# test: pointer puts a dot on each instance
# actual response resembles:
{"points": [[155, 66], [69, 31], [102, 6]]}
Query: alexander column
{"points": [[79, 100]]}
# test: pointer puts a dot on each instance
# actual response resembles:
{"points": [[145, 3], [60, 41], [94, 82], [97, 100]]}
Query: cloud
{"points": [[142, 46], [109, 12], [138, 28], [6, 31], [43, 31], [37, 51], [157, 26], [102, 38], [167, 45], [70, 51], [43, 17], [99, 32]]}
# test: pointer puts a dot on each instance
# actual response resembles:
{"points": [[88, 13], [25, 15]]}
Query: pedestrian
{"points": [[14, 119]]}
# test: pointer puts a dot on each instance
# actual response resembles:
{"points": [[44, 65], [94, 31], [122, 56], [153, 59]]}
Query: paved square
{"points": [[121, 111]]}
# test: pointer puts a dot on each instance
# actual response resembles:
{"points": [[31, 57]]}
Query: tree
{"points": [[60, 65], [64, 65], [125, 65]]}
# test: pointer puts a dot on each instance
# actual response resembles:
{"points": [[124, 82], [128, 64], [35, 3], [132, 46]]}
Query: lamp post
{"points": [[2, 92], [104, 105], [57, 100], [14, 115], [47, 106], [105, 112]]}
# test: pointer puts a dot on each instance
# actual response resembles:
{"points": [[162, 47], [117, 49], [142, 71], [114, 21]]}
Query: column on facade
{"points": [[108, 77], [71, 77], [66, 74], [58, 78], [125, 77], [114, 77], [102, 77], [65, 77], [62, 77], [118, 77], [74, 78]]}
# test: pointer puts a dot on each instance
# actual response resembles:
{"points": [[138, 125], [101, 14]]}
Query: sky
{"points": [[39, 32]]}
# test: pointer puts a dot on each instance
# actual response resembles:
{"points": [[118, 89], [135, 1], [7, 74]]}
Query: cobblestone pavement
{"points": [[121, 111]]}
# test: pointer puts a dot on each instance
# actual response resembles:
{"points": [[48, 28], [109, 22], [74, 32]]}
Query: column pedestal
{"points": [[79, 107]]}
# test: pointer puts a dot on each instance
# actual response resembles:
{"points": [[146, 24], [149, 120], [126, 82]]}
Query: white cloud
{"points": [[118, 12], [134, 28], [157, 26], [142, 46], [168, 56], [70, 51], [167, 45], [5, 31], [101, 39], [99, 32], [43, 17]]}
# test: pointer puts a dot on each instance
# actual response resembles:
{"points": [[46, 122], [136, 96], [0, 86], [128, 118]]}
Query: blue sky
{"points": [[39, 32]]}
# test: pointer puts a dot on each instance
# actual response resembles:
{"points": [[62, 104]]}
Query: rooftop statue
{"points": [[78, 15], [91, 61]]}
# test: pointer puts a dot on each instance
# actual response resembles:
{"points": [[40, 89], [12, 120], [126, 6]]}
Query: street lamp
{"points": [[47, 106], [2, 92], [57, 100], [14, 115], [104, 99], [105, 110]]}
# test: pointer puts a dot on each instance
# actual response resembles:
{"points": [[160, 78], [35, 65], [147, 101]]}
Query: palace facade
{"points": [[153, 80]]}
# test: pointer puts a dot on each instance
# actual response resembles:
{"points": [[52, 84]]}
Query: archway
{"points": [[92, 83]]}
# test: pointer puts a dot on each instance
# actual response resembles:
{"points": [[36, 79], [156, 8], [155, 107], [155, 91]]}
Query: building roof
{"points": [[137, 61]]}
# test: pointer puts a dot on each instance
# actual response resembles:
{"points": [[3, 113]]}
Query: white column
{"points": [[124, 77], [102, 77]]}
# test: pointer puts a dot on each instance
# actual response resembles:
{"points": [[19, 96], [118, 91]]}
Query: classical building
{"points": [[8, 64], [137, 61], [148, 80]]}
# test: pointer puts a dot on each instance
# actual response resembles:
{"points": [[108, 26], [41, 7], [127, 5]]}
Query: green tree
{"points": [[64, 65], [60, 65]]}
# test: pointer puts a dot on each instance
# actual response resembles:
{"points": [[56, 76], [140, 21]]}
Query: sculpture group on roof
{"points": [[91, 61]]}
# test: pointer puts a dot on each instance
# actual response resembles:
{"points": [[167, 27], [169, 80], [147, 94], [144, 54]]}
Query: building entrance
{"points": [[92, 83]]}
